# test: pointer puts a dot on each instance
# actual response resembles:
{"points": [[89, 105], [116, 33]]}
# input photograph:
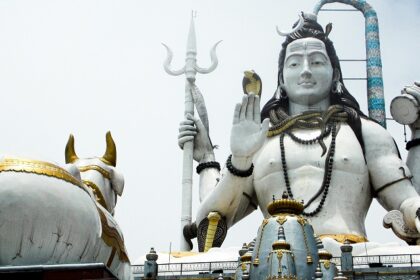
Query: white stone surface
{"points": [[46, 220]]}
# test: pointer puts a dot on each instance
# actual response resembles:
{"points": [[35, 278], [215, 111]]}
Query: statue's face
{"points": [[307, 73]]}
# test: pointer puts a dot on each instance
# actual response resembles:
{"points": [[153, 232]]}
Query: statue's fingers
{"points": [[186, 123], [242, 114], [250, 107], [183, 140], [184, 127], [190, 117], [257, 113], [413, 88], [265, 125], [187, 133], [264, 128], [417, 83], [236, 113], [191, 120], [414, 91]]}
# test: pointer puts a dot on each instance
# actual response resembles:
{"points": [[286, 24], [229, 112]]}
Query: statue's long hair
{"points": [[312, 29]]}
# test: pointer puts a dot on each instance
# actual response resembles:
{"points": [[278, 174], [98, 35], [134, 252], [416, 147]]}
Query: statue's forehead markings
{"points": [[306, 48], [301, 46]]}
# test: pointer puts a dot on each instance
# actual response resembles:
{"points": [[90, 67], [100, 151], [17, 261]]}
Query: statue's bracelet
{"points": [[209, 164], [237, 172]]}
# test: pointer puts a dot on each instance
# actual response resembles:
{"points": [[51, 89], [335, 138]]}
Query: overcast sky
{"points": [[86, 67]]}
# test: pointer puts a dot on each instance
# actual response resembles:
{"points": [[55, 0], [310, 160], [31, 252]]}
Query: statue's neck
{"points": [[295, 108]]}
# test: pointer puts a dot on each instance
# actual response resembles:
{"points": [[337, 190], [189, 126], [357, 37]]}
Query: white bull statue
{"points": [[55, 215]]}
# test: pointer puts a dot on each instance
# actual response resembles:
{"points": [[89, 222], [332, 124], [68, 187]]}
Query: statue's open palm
{"points": [[248, 133]]}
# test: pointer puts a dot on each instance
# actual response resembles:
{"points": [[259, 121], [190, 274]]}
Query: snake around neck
{"points": [[282, 122]]}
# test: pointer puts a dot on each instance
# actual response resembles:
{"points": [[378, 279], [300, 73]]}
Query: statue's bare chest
{"points": [[348, 154], [306, 165]]}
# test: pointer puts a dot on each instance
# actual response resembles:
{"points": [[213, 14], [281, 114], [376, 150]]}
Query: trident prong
{"points": [[191, 68], [214, 61], [167, 63]]}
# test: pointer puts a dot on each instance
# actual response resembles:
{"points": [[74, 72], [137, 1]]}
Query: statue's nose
{"points": [[306, 70]]}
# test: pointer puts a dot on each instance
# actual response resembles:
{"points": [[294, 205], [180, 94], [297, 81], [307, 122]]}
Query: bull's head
{"points": [[99, 173]]}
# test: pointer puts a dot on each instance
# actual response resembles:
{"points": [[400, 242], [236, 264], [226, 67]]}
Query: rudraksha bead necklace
{"points": [[329, 160]]}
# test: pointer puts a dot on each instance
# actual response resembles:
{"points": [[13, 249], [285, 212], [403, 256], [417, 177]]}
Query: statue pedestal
{"points": [[63, 271]]}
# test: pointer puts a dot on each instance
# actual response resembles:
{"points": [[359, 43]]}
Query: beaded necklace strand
{"points": [[329, 160], [319, 139]]}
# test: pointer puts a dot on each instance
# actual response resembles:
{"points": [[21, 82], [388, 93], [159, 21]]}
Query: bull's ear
{"points": [[117, 182]]}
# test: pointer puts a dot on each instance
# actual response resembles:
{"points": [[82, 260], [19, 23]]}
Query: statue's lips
{"points": [[307, 84]]}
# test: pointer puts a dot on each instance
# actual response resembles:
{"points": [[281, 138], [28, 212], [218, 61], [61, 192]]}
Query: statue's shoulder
{"points": [[375, 135], [370, 127]]}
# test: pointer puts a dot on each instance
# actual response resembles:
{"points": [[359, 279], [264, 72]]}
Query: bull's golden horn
{"points": [[70, 153], [110, 155]]}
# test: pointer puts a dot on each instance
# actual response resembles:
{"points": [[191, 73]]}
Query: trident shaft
{"points": [[190, 70]]}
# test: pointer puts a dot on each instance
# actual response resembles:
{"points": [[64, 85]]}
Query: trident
{"points": [[190, 70]]}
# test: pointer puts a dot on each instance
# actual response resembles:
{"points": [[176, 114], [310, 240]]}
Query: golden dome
{"points": [[281, 245], [246, 257], [285, 205], [324, 255]]}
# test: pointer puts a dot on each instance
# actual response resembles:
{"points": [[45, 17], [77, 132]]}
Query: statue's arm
{"points": [[234, 193], [413, 158], [192, 129], [227, 198], [233, 196], [389, 175], [222, 207]]}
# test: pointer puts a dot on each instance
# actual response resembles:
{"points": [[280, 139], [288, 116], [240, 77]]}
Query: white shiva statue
{"points": [[311, 141]]}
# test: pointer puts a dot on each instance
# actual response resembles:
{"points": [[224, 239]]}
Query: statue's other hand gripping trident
{"points": [[192, 96]]}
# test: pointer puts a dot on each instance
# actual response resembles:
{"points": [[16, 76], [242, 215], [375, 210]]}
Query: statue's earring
{"points": [[278, 93], [280, 89], [337, 87]]}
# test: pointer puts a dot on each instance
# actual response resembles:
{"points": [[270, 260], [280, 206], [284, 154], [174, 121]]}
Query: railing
{"points": [[387, 260], [403, 260], [337, 261], [189, 268]]}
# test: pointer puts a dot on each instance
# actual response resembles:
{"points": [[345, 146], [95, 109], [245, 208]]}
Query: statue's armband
{"points": [[386, 185]]}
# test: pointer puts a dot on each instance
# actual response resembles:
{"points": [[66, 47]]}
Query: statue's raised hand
{"points": [[192, 129], [248, 133]]}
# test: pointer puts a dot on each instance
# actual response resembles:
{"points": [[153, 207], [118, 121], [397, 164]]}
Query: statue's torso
{"points": [[349, 194]]}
